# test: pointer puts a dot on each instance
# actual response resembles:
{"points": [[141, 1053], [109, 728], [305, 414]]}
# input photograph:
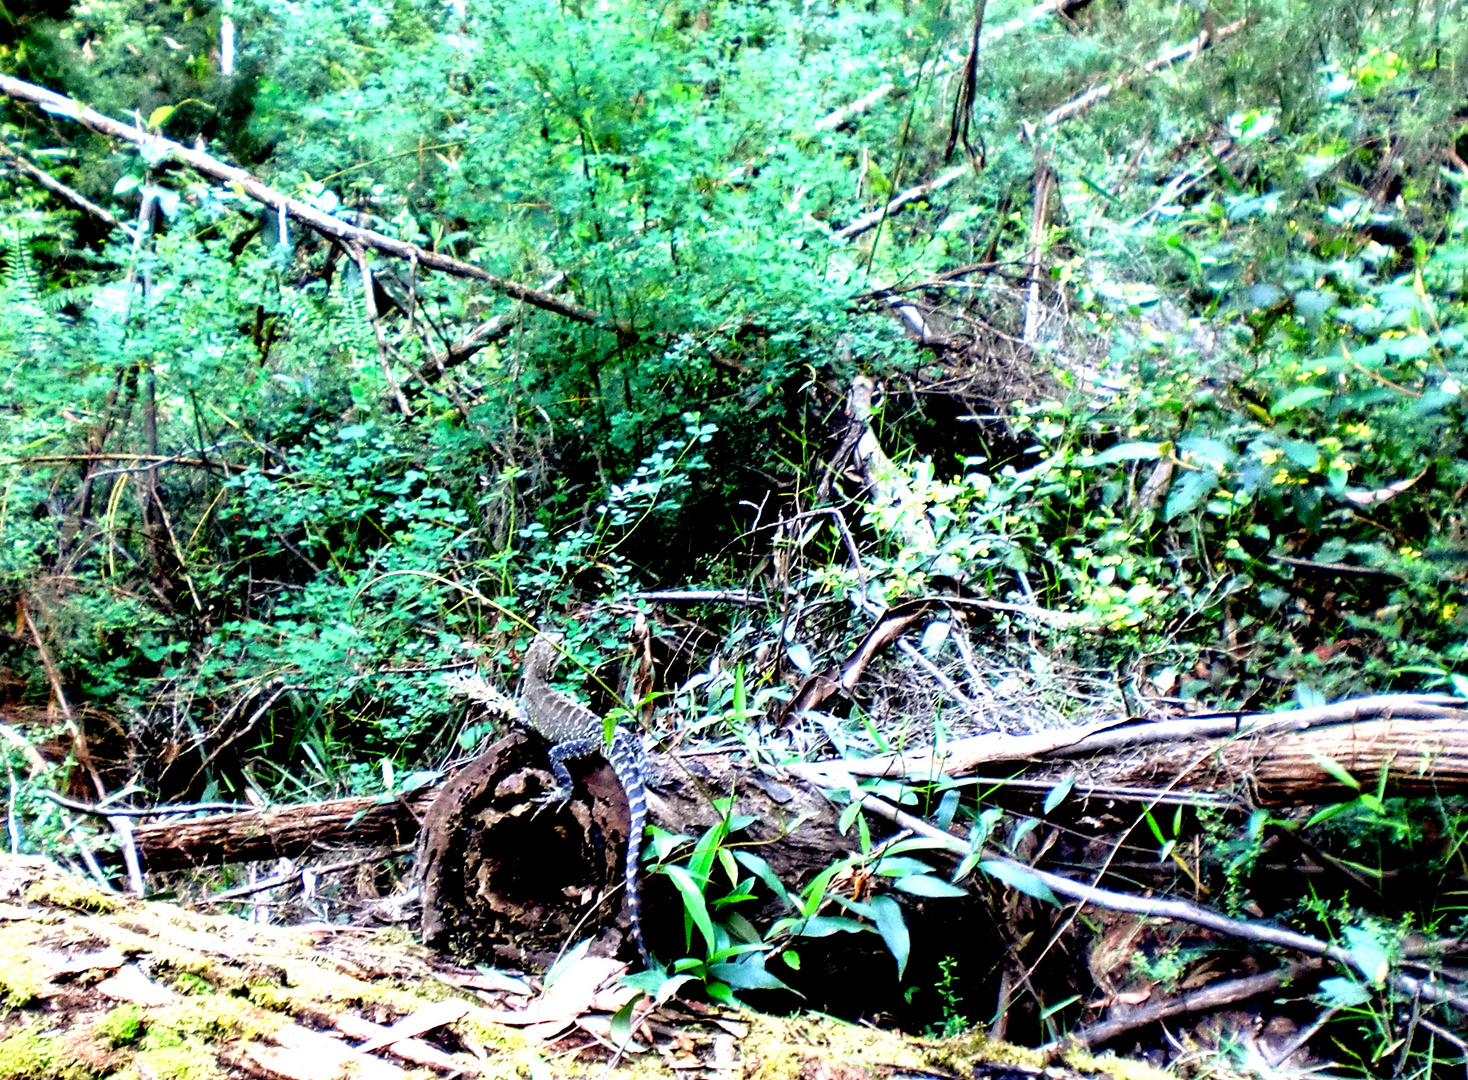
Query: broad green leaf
{"points": [[1369, 953], [1021, 878], [892, 925], [693, 903], [1130, 451], [928, 885], [1186, 495], [1342, 993], [1296, 399], [819, 926], [749, 974]]}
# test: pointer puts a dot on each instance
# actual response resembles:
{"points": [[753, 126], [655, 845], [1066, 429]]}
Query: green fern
{"points": [[25, 325]]}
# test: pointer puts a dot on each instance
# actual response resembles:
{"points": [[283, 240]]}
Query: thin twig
{"points": [[98, 810], [229, 895]]}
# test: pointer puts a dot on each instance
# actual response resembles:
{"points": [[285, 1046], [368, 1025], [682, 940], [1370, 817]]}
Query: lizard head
{"points": [[542, 656]]}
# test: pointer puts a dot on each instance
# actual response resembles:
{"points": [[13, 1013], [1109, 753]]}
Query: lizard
{"points": [[574, 732]]}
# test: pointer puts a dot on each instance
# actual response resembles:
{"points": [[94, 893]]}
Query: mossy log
{"points": [[102, 986]]}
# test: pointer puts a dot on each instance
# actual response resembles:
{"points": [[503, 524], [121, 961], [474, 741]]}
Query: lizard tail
{"points": [[627, 763]]}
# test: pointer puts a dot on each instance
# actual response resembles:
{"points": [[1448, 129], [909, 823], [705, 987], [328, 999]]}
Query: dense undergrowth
{"points": [[1225, 427]]}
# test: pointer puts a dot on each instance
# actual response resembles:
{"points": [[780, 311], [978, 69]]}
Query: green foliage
{"points": [[253, 526]]}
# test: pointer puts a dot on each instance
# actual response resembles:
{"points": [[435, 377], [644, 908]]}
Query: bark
{"points": [[288, 832]]}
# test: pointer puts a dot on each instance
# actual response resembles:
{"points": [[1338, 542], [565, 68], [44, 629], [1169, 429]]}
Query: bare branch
{"points": [[322, 222], [76, 198]]}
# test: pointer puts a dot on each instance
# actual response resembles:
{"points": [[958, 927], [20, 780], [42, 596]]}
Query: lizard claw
{"points": [[553, 799]]}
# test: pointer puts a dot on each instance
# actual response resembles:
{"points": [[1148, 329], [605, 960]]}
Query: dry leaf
{"points": [[131, 985], [416, 1023]]}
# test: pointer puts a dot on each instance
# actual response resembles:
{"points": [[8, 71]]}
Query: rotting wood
{"points": [[486, 844], [263, 999]]}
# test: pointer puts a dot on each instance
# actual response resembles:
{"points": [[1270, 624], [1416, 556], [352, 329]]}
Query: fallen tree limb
{"points": [[283, 833], [1058, 115], [834, 119], [1209, 998], [964, 755], [1186, 51], [76, 198], [319, 220]]}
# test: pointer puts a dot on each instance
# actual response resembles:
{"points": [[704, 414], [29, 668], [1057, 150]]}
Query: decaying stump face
{"points": [[506, 879]]}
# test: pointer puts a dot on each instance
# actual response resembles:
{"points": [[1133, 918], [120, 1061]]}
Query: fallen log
{"points": [[285, 832]]}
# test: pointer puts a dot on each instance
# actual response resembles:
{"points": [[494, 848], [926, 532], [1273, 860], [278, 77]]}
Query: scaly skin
{"points": [[574, 732]]}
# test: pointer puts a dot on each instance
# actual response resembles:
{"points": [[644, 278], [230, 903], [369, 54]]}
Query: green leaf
{"points": [[892, 925], [693, 903], [621, 1030], [1186, 495], [1343, 993], [928, 885], [1336, 770], [159, 116], [1369, 953], [1130, 451], [819, 926], [1057, 795], [762, 870], [1295, 399], [748, 974], [565, 963], [1303, 454], [900, 866], [1021, 878]]}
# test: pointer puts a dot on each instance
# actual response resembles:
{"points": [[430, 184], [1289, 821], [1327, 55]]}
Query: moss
{"points": [[215, 1016], [123, 1026], [35, 1055], [307, 983], [1108, 1064], [965, 1050], [21, 977], [186, 982], [162, 950], [66, 891], [28, 1055], [169, 1055]]}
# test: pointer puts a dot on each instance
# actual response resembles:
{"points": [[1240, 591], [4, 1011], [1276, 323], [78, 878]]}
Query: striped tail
{"points": [[625, 755]]}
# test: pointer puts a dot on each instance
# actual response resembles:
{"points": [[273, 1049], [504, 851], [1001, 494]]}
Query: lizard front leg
{"points": [[560, 753]]}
